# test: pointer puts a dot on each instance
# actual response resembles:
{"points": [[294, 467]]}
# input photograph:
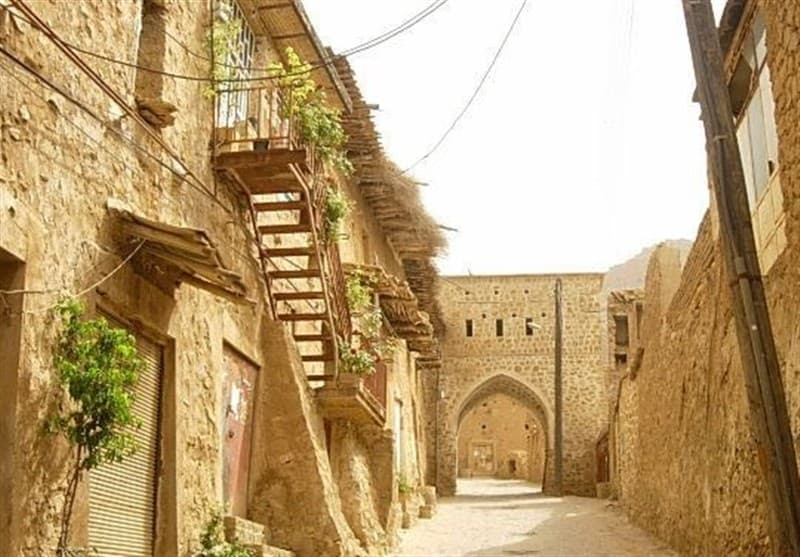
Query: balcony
{"points": [[262, 151], [355, 398]]}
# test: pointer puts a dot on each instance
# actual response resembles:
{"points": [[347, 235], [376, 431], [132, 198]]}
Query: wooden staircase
{"points": [[303, 273], [296, 269]]}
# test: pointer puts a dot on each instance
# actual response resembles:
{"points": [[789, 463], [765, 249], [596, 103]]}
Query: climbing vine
{"points": [[337, 209], [97, 366], [219, 43], [319, 124], [361, 356]]}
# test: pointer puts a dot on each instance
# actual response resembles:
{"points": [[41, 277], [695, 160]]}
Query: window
{"points": [[621, 330], [498, 327], [232, 105], [469, 330], [754, 109], [530, 326]]}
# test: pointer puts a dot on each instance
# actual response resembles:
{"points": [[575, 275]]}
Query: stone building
{"points": [[688, 467], [194, 220], [496, 382]]}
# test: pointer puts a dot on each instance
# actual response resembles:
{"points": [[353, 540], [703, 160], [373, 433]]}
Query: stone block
{"points": [[427, 511], [243, 531]]}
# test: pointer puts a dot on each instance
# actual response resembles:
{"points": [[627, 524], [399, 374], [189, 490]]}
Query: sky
{"points": [[583, 146]]}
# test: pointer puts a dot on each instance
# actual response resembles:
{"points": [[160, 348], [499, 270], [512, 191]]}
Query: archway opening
{"points": [[501, 437], [502, 431]]}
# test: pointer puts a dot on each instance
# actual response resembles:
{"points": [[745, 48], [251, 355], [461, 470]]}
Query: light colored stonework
{"points": [[522, 365]]}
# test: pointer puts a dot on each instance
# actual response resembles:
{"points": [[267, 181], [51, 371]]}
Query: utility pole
{"points": [[559, 425], [768, 414]]}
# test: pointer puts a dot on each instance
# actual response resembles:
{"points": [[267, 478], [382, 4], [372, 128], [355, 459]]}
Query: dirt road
{"points": [[494, 518]]}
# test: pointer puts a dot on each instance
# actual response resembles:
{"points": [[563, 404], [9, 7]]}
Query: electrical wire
{"points": [[94, 142], [94, 285], [324, 62], [475, 93], [105, 124], [375, 41]]}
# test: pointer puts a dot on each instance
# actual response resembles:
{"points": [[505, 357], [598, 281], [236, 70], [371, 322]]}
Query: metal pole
{"points": [[768, 413], [559, 426]]}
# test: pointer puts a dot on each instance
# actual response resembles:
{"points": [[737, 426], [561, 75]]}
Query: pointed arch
{"points": [[526, 394]]}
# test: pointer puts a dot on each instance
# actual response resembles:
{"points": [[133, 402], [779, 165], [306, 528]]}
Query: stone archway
{"points": [[461, 405]]}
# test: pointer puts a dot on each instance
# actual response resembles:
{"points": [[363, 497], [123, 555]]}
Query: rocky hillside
{"points": [[631, 273]]}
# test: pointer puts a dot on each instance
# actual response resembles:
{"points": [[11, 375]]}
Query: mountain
{"points": [[631, 273]]}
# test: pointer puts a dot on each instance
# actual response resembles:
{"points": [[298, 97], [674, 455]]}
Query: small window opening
{"points": [[621, 359], [621, 330], [469, 329], [498, 327], [530, 326], [483, 426]]}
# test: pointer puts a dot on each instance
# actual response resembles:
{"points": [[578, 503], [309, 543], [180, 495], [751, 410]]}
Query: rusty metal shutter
{"points": [[122, 496]]}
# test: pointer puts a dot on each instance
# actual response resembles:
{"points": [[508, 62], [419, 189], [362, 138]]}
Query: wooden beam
{"points": [[288, 36], [256, 159], [769, 416]]}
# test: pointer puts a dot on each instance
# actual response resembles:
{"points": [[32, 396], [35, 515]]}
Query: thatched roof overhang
{"points": [[394, 199]]}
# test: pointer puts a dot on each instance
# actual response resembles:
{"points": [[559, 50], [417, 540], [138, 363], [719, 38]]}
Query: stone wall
{"points": [[60, 169], [687, 465], [522, 364]]}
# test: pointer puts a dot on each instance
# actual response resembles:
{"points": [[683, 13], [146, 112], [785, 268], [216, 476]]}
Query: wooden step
{"points": [[303, 295], [317, 358], [312, 338], [295, 274], [284, 228], [290, 252], [280, 206], [303, 316]]}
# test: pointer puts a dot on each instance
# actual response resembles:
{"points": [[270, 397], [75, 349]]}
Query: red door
{"points": [[238, 390]]}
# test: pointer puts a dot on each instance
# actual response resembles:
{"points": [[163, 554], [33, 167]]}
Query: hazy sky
{"points": [[583, 146]]}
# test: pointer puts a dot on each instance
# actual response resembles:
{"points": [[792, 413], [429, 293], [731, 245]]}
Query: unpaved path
{"points": [[495, 518]]}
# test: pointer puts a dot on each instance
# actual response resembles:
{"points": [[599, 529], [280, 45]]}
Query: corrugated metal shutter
{"points": [[122, 496]]}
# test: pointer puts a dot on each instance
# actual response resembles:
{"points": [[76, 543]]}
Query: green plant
{"points": [[319, 124], [337, 208], [356, 360], [98, 366], [359, 295], [403, 486], [219, 42], [213, 544]]}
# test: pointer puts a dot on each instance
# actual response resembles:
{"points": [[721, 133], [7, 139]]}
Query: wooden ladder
{"points": [[292, 249]]}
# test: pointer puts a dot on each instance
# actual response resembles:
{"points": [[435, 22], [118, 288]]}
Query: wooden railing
{"points": [[333, 270], [257, 120], [376, 383]]}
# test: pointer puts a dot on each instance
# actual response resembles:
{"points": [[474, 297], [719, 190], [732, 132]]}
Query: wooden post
{"points": [[768, 414], [559, 425]]}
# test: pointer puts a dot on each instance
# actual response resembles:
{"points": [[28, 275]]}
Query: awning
{"points": [[185, 254]]}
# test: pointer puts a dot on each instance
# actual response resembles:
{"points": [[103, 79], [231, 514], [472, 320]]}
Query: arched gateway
{"points": [[493, 399], [490, 442]]}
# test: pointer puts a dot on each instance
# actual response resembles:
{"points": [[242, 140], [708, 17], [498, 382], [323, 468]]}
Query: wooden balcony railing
{"points": [[376, 384]]}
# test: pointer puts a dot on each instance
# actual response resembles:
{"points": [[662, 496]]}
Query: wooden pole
{"points": [[559, 425], [768, 413]]}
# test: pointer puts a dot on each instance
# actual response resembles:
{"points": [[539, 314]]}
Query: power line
{"points": [[94, 142], [99, 119], [323, 62], [474, 95], [375, 41]]}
